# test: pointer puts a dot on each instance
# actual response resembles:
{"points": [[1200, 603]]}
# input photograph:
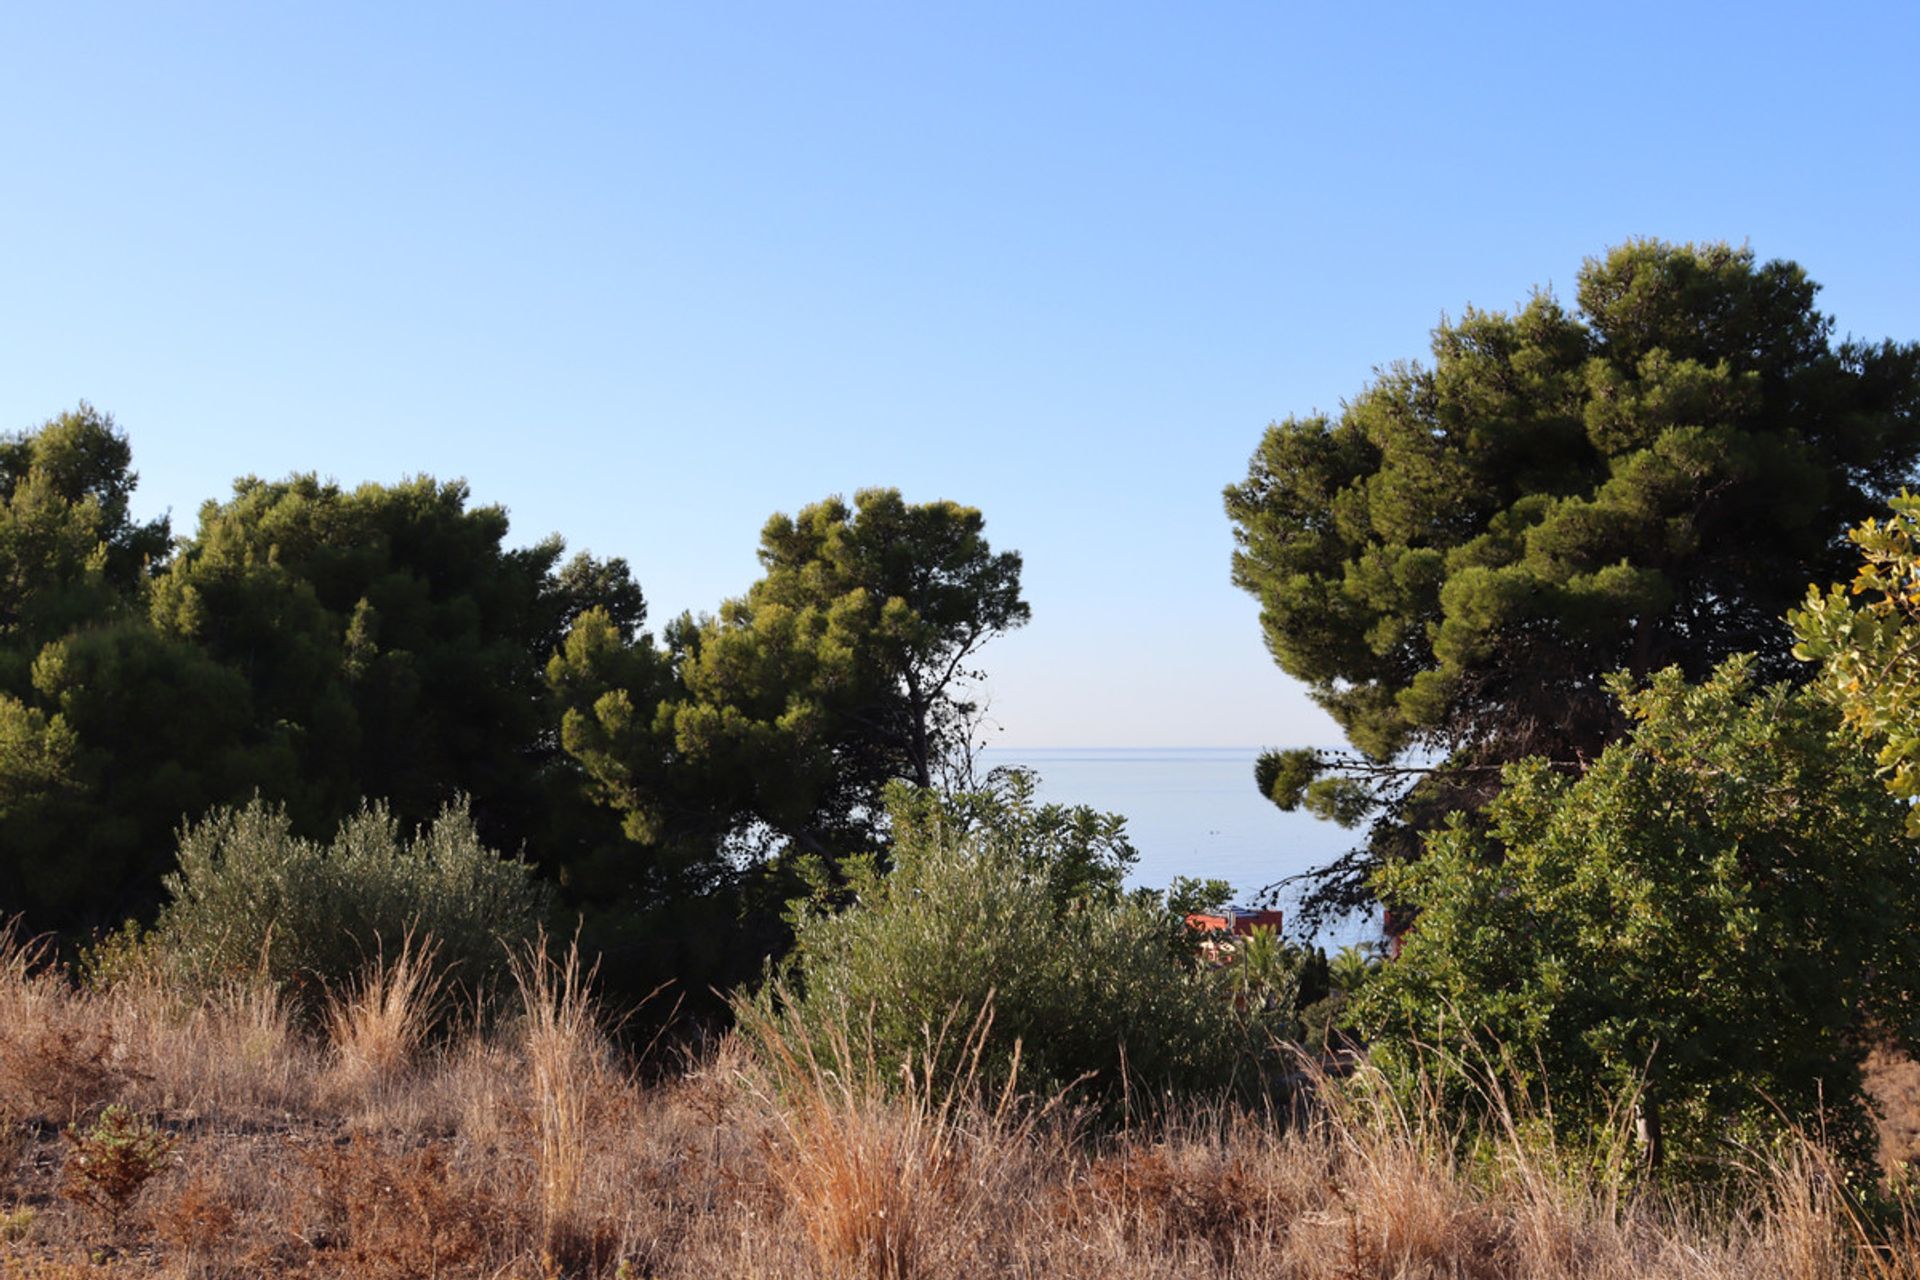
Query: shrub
{"points": [[993, 901], [388, 1210], [251, 895], [112, 1159], [1714, 921]]}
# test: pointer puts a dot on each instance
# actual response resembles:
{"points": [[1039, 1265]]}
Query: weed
{"points": [[129, 954], [15, 1223], [111, 1160], [196, 1219], [379, 1214]]}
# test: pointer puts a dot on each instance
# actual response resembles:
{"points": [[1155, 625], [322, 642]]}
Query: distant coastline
{"points": [[1191, 811]]}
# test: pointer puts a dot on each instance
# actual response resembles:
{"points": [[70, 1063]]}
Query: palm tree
{"points": [[1263, 970], [1350, 968]]}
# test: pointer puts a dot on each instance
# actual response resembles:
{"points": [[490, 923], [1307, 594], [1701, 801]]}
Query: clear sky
{"points": [[646, 273]]}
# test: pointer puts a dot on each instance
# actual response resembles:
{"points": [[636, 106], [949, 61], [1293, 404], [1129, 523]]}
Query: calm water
{"points": [[1191, 812]]}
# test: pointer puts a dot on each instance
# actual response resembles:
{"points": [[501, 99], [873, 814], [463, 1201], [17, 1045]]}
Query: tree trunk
{"points": [[918, 749], [1646, 1128]]}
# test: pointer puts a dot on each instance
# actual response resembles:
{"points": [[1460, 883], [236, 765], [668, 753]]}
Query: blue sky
{"points": [[645, 274]]}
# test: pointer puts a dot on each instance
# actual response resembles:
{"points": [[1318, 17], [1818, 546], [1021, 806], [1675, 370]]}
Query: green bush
{"points": [[994, 900], [1715, 919], [249, 894]]}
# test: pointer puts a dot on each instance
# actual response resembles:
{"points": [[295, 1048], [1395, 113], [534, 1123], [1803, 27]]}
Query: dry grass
{"points": [[1893, 1081], [888, 1178], [530, 1150], [58, 1057], [380, 1024], [566, 1064]]}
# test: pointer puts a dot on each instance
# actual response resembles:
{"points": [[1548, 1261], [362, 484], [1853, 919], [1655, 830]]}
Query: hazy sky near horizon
{"points": [[645, 274]]}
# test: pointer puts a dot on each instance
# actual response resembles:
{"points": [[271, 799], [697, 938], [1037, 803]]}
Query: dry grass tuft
{"points": [[889, 1179], [379, 1025], [567, 1073], [58, 1059], [231, 1050], [16, 1140], [1164, 1194]]}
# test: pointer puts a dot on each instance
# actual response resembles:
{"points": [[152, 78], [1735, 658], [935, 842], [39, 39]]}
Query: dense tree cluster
{"points": [[324, 647], [1636, 866]]}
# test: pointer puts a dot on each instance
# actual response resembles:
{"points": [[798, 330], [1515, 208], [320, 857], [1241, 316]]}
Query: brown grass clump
{"points": [[58, 1059], [376, 1212], [889, 1179], [198, 1219], [378, 1026], [1893, 1082], [81, 1268], [567, 1073]]}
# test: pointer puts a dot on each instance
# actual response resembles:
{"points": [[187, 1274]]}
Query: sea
{"points": [[1195, 812]]}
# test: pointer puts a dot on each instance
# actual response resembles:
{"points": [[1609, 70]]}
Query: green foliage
{"points": [[1868, 655], [389, 640], [992, 901], [310, 644], [1297, 779], [73, 568], [750, 749], [131, 954], [927, 592], [1454, 561], [842, 669], [70, 552], [1266, 972], [1077, 853], [1721, 906], [1350, 968], [134, 730], [314, 645], [249, 893]]}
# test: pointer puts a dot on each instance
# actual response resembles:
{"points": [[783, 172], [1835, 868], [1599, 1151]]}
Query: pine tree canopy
{"points": [[1456, 560]]}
